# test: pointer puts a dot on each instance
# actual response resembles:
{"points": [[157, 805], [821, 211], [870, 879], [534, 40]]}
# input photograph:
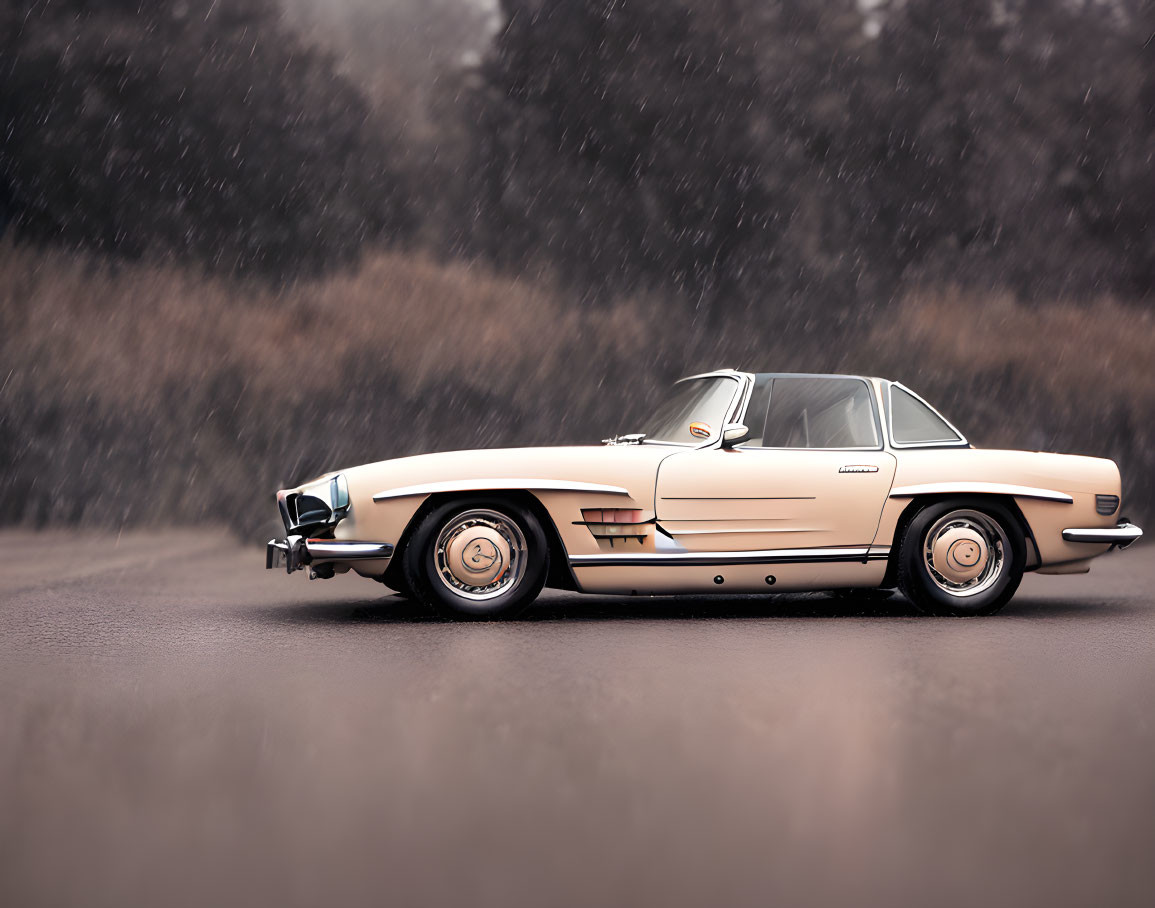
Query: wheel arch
{"points": [[560, 574], [919, 502]]}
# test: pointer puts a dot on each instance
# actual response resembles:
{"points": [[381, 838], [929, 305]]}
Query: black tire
{"points": [[426, 572], [936, 594], [396, 582]]}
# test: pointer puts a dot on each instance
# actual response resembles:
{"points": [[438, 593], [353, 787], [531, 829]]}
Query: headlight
{"points": [[318, 505], [339, 492]]}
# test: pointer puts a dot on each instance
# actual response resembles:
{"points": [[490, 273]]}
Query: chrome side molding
{"points": [[731, 532], [485, 485], [980, 488], [702, 559]]}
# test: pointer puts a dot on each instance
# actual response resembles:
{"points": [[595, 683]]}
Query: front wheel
{"points": [[961, 558], [477, 559]]}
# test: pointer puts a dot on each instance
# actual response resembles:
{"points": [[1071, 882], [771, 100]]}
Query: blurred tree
{"points": [[1013, 145], [194, 127], [613, 139], [814, 155], [819, 154], [399, 50]]}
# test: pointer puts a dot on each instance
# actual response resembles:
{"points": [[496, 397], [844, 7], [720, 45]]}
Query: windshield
{"points": [[694, 412]]}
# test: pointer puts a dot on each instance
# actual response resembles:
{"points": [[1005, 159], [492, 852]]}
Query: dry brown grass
{"points": [[143, 393], [1064, 376], [128, 334], [1105, 345]]}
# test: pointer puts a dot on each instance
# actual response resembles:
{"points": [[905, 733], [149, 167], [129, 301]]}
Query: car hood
{"points": [[631, 467]]}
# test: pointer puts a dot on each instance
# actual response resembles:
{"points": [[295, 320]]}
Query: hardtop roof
{"points": [[867, 378]]}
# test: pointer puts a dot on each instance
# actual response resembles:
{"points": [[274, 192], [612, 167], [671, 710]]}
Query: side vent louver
{"points": [[1106, 504], [615, 523]]}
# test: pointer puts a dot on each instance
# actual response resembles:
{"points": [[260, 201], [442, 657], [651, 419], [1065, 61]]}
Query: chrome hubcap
{"points": [[480, 554], [965, 552]]}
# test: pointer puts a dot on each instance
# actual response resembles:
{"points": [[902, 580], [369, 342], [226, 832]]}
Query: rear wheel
{"points": [[961, 558], [477, 559]]}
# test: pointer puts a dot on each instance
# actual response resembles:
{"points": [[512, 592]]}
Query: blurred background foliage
{"points": [[244, 241]]}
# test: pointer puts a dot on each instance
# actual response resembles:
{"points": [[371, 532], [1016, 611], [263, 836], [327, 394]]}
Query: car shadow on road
{"points": [[398, 610]]}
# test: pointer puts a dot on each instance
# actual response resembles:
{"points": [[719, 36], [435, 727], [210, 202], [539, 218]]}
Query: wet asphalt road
{"points": [[179, 727]]}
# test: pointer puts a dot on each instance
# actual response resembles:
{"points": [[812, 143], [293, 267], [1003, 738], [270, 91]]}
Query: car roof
{"points": [[815, 375], [867, 378]]}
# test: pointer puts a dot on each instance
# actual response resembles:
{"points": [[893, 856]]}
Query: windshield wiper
{"points": [[635, 438]]}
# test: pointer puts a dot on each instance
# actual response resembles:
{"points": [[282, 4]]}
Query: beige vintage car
{"points": [[739, 483]]}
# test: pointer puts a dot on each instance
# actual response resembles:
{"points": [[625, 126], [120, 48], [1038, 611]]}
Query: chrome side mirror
{"points": [[734, 433]]}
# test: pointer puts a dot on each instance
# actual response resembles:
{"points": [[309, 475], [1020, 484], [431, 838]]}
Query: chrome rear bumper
{"points": [[1122, 535], [295, 552]]}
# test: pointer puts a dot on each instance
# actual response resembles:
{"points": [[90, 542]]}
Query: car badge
{"points": [[700, 430]]}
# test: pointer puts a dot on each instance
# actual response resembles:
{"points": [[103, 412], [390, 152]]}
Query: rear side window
{"points": [[805, 412], [913, 423]]}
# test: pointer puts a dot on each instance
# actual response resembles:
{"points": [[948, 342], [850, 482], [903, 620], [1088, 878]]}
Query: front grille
{"points": [[1106, 504], [317, 506], [311, 511], [303, 514]]}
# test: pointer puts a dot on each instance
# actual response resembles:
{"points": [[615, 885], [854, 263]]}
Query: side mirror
{"points": [[734, 433]]}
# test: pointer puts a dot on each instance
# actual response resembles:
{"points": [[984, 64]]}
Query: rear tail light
{"points": [[1106, 504]]}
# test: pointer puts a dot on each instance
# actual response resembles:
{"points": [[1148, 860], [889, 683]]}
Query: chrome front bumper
{"points": [[1122, 535], [295, 552]]}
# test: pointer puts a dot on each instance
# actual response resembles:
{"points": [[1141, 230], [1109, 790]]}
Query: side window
{"points": [[809, 412], [912, 422]]}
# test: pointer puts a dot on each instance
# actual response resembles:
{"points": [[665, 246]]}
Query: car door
{"points": [[814, 474]]}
